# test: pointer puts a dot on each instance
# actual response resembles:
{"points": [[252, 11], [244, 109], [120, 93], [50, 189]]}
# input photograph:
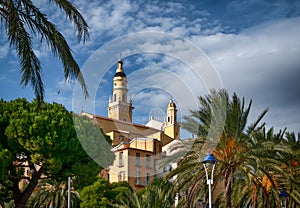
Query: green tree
{"points": [[39, 142], [94, 141], [24, 23], [103, 194]]}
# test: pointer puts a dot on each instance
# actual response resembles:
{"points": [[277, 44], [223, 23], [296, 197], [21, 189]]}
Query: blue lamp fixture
{"points": [[209, 163], [209, 158], [283, 198]]}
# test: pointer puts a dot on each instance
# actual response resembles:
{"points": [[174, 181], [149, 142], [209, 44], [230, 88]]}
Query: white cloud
{"points": [[267, 38], [4, 50], [65, 85], [113, 19], [250, 62], [261, 63]]}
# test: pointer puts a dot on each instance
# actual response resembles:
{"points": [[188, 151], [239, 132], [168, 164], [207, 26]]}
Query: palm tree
{"points": [[158, 194], [259, 176], [54, 194], [254, 164], [131, 199], [22, 21], [189, 175], [221, 127], [290, 169]]}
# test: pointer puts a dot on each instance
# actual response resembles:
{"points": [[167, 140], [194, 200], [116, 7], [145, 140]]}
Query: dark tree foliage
{"points": [[39, 142], [103, 194]]}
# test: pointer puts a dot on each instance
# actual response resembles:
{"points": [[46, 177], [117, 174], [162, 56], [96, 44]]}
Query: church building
{"points": [[137, 148]]}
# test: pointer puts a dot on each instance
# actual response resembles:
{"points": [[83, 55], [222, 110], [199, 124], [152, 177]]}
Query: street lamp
{"points": [[283, 197], [69, 192], [209, 163]]}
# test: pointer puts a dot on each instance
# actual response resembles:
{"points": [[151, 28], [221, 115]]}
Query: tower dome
{"points": [[171, 104], [120, 71]]}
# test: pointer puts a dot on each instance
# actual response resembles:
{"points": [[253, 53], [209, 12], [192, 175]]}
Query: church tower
{"points": [[172, 127], [119, 108]]}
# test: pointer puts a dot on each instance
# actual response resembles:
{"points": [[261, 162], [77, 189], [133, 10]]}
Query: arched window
{"points": [[123, 97], [115, 97]]}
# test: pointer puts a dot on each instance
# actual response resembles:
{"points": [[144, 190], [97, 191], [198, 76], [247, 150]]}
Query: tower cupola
{"points": [[120, 71], [172, 128], [171, 113], [119, 108]]}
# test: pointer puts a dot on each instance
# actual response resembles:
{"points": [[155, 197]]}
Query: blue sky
{"points": [[178, 50]]}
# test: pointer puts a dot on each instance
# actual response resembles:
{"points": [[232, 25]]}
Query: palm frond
{"points": [[23, 22]]}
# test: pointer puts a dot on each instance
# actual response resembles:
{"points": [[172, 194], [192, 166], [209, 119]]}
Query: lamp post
{"points": [[69, 192], [209, 163], [283, 197]]}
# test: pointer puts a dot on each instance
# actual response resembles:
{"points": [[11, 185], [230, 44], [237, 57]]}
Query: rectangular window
{"points": [[121, 176], [137, 159], [121, 159], [147, 178], [167, 168], [156, 166], [148, 164], [138, 173]]}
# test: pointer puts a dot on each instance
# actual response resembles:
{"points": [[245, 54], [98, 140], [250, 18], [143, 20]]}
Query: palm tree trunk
{"points": [[268, 203], [228, 190]]}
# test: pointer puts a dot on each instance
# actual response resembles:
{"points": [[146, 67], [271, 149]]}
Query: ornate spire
{"points": [[120, 71], [171, 104]]}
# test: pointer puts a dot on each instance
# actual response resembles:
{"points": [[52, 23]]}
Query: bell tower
{"points": [[118, 107], [171, 126]]}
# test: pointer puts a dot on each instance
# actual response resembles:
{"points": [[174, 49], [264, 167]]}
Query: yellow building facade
{"points": [[137, 148]]}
